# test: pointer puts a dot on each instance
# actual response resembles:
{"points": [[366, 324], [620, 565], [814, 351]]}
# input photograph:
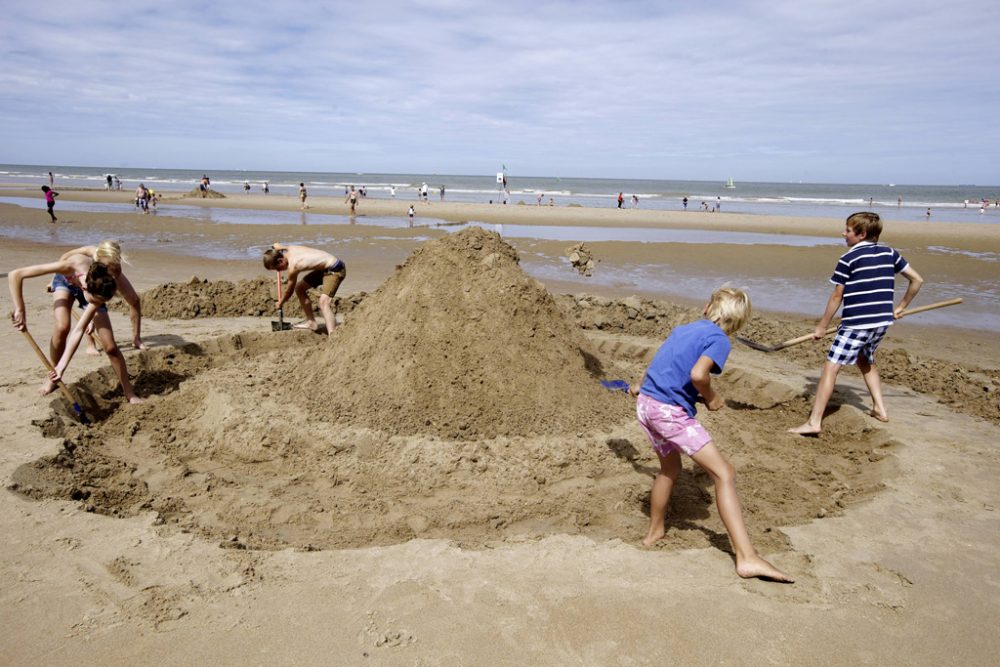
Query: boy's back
{"points": [[867, 271]]}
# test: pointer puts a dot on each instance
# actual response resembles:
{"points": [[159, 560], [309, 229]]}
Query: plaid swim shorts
{"points": [[849, 343]]}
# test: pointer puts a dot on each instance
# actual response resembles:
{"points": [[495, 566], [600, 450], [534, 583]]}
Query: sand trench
{"points": [[459, 402]]}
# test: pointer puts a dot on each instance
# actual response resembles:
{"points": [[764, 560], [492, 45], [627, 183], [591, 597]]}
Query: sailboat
{"points": [[730, 185]]}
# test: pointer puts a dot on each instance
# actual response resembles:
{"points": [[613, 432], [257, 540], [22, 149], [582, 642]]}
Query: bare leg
{"points": [[824, 390], [869, 372], [103, 325], [61, 303], [324, 306], [307, 309], [748, 563], [659, 497]]}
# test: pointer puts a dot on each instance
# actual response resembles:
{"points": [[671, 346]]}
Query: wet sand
{"points": [[891, 530]]}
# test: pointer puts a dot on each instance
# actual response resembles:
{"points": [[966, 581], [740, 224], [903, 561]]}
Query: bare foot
{"points": [[805, 429], [47, 388], [305, 325], [882, 417], [653, 537], [756, 567], [135, 400]]}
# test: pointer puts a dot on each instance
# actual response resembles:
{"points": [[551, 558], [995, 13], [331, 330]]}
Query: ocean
{"points": [[947, 203]]}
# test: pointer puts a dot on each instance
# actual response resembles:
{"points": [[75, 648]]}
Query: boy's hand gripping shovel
{"points": [[281, 324], [808, 337], [62, 385]]}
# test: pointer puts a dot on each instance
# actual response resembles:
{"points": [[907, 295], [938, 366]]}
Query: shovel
{"points": [[808, 337], [281, 324], [62, 385]]}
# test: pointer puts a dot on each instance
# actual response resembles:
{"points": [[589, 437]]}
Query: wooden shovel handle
{"points": [[908, 311], [48, 366]]}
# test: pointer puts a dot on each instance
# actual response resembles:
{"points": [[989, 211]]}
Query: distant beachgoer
{"points": [[411, 213], [679, 375], [266, 188], [442, 193], [899, 202], [539, 198], [246, 187], [392, 191], [322, 271], [142, 198], [864, 280], [50, 201], [928, 214], [621, 200], [352, 198], [118, 183], [718, 203], [52, 179], [966, 204], [552, 202], [90, 276], [109, 181], [685, 202], [871, 202], [635, 201], [423, 191], [302, 195]]}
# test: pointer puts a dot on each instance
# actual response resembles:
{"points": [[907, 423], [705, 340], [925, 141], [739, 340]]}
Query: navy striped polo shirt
{"points": [[868, 273]]}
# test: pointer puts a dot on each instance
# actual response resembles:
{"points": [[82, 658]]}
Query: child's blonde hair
{"points": [[868, 222], [109, 253], [729, 308]]}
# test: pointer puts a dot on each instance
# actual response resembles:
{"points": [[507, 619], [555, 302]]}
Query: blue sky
{"points": [[814, 90]]}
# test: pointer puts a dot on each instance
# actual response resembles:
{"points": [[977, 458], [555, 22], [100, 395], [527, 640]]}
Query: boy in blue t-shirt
{"points": [[864, 280], [665, 407]]}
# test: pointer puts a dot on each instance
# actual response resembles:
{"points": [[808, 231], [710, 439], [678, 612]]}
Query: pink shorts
{"points": [[669, 427]]}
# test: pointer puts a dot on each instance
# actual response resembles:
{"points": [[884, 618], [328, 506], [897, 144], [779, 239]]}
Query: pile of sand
{"points": [[461, 343], [199, 297], [205, 194]]}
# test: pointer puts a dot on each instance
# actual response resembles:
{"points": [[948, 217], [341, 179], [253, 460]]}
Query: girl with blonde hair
{"points": [[89, 276]]}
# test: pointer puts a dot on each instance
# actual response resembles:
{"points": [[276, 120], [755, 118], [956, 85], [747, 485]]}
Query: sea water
{"points": [[948, 203]]}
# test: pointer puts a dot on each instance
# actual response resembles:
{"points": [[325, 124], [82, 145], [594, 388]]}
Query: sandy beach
{"points": [[437, 484]]}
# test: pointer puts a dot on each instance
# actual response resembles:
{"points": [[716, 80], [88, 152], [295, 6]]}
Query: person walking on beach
{"points": [[246, 187], [302, 195], [411, 213], [679, 374], [442, 193], [89, 276], [266, 188], [864, 281], [635, 201], [621, 200], [50, 201], [321, 271], [52, 180], [142, 198], [108, 178], [685, 202], [352, 198]]}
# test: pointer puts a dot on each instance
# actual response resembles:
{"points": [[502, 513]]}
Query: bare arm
{"points": [[832, 306], [293, 276], [911, 290], [87, 250], [135, 309], [701, 377], [633, 389], [15, 281]]}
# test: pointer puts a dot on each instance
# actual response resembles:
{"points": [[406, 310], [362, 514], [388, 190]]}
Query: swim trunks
{"points": [[330, 278], [669, 427]]}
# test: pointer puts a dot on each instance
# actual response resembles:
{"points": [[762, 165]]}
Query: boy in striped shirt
{"points": [[863, 281]]}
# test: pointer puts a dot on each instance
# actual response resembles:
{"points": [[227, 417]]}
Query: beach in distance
{"points": [[435, 484]]}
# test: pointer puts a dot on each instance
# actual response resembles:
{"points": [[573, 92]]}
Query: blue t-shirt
{"points": [[868, 273], [668, 378]]}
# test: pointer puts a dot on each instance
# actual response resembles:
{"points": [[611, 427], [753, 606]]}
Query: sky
{"points": [[894, 91]]}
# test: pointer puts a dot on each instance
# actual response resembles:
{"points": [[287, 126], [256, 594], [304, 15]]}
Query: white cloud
{"points": [[626, 89]]}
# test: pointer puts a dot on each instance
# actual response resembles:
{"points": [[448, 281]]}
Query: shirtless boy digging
{"points": [[320, 270]]}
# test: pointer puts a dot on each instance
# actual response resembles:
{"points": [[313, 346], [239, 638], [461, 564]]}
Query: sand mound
{"points": [[460, 343], [201, 298], [220, 452], [205, 194]]}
